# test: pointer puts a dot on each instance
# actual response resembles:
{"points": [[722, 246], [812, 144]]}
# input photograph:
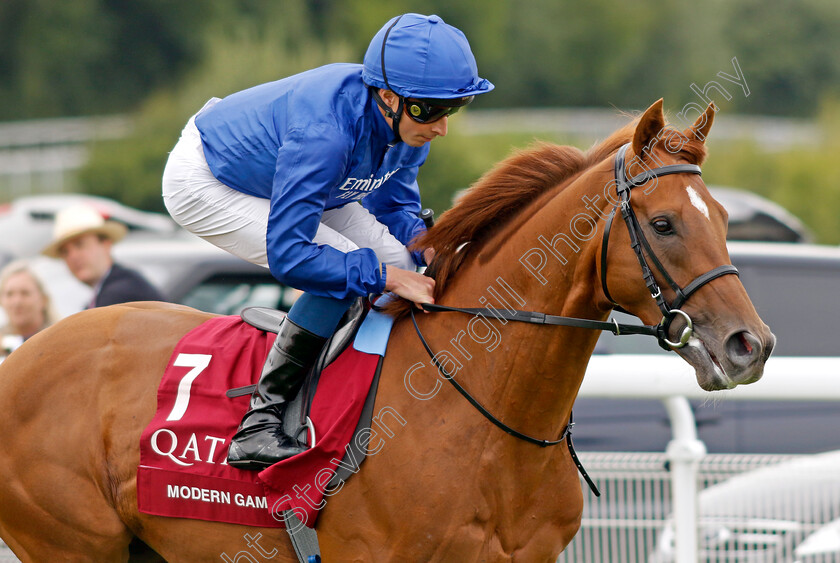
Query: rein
{"points": [[566, 436], [533, 317]]}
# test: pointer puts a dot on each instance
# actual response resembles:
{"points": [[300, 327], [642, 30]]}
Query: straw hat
{"points": [[78, 220]]}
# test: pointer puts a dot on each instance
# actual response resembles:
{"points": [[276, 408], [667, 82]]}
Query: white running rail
{"points": [[670, 379]]}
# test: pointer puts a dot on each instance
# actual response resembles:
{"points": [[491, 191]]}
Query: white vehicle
{"points": [[26, 224]]}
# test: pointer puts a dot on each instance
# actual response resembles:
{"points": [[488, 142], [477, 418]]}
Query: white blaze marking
{"points": [[697, 201]]}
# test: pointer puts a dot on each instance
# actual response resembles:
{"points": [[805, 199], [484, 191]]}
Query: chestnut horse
{"points": [[447, 485]]}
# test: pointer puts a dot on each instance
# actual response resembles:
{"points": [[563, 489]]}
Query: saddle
{"points": [[297, 419]]}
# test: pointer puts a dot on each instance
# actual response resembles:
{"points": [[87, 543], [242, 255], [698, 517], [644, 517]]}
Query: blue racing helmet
{"points": [[423, 57]]}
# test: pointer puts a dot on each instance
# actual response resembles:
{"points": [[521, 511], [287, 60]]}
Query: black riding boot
{"points": [[260, 440]]}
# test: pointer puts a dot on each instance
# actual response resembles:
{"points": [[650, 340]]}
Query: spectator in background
{"points": [[83, 238], [27, 305]]}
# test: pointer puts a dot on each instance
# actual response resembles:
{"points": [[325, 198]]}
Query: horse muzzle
{"points": [[723, 363]]}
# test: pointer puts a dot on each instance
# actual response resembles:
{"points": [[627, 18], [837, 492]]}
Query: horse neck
{"points": [[530, 374]]}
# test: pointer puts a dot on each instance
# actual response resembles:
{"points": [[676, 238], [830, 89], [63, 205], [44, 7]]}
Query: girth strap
{"points": [[304, 539]]}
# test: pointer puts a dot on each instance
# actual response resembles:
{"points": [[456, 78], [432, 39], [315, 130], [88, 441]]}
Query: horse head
{"points": [[535, 219], [680, 237]]}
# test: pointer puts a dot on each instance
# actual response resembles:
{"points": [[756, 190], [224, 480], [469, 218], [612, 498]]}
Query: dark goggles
{"points": [[429, 111]]}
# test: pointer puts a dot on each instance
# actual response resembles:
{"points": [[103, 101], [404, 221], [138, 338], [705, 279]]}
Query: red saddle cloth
{"points": [[183, 470]]}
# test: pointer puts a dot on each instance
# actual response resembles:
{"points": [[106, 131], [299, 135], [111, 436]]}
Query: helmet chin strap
{"points": [[394, 115], [395, 120]]}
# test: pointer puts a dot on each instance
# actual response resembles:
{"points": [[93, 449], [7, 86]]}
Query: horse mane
{"points": [[502, 193], [492, 201]]}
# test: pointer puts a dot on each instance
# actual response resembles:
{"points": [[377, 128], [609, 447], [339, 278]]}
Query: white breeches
{"points": [[237, 222]]}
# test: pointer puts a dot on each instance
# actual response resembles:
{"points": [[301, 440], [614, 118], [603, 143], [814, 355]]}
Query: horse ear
{"points": [[649, 126], [701, 127]]}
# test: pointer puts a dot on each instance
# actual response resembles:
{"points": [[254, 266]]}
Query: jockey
{"points": [[315, 177]]}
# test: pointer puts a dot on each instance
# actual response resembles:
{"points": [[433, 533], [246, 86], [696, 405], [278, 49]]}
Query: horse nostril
{"points": [[742, 348]]}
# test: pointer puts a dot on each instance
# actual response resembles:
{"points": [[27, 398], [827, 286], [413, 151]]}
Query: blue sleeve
{"points": [[309, 164], [396, 204]]}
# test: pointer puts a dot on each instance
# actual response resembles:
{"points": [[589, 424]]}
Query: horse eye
{"points": [[662, 226]]}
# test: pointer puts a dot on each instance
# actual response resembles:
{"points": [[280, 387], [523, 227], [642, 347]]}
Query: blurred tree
{"points": [[538, 53], [805, 180], [252, 46], [92, 56], [105, 56], [789, 52], [602, 52]]}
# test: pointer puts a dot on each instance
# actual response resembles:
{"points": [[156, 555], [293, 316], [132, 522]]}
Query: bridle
{"points": [[640, 246]]}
